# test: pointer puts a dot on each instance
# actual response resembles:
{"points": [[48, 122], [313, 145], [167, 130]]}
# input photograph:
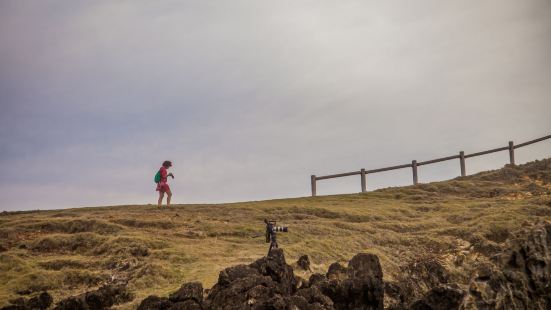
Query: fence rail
{"points": [[414, 164]]}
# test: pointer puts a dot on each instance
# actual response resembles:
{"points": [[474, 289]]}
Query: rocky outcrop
{"points": [[520, 277], [517, 278], [269, 283]]}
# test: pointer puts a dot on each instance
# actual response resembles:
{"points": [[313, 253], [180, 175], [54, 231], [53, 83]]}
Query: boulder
{"points": [[316, 278], [275, 267], [186, 305], [155, 303], [313, 295], [102, 298], [41, 301], [358, 286], [443, 297], [337, 271], [303, 262], [188, 291]]}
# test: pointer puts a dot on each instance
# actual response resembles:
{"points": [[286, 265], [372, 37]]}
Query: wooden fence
{"points": [[414, 164]]}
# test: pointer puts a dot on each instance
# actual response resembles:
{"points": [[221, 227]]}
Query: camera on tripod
{"points": [[271, 233]]}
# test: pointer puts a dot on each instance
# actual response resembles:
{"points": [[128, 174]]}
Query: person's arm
{"points": [[170, 175]]}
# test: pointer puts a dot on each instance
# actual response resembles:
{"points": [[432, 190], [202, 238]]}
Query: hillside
{"points": [[455, 224]]}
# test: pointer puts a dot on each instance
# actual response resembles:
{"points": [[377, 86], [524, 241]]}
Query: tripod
{"points": [[271, 235]]}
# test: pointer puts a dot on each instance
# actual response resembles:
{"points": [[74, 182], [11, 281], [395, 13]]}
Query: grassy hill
{"points": [[459, 223]]}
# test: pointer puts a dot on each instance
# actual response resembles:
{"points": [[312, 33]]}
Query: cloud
{"points": [[249, 98]]}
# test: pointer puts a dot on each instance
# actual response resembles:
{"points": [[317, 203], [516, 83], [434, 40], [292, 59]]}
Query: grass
{"points": [[456, 222]]}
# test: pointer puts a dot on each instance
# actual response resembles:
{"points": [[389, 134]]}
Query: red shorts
{"points": [[163, 187]]}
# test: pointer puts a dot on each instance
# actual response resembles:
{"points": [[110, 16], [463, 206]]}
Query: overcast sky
{"points": [[249, 98]]}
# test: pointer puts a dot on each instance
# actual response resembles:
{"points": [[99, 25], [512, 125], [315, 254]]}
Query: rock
{"points": [[442, 297], [419, 276], [394, 298], [521, 277], [228, 275], [274, 266], [155, 303], [304, 262], [337, 271], [249, 290], [269, 283], [316, 278], [365, 265], [300, 283], [186, 305], [102, 298], [313, 295], [42, 301], [359, 286], [188, 291]]}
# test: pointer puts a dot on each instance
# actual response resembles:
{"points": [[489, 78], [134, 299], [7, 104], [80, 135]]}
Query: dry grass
{"points": [[71, 251]]}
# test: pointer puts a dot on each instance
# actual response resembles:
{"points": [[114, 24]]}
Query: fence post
{"points": [[313, 181], [364, 186], [462, 162], [414, 168], [511, 153]]}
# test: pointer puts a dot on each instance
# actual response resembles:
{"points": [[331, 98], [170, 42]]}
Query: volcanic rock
{"points": [[155, 303], [521, 277], [440, 297], [188, 291], [42, 301], [362, 288], [103, 298], [304, 262], [269, 283]]}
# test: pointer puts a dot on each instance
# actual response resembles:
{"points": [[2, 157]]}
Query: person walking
{"points": [[161, 179]]}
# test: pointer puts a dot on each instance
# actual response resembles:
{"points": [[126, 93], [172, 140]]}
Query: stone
{"points": [[102, 298], [442, 297], [337, 271], [188, 291], [155, 303], [304, 262]]}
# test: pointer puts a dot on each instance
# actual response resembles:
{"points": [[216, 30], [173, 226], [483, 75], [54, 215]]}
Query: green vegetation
{"points": [[456, 222]]}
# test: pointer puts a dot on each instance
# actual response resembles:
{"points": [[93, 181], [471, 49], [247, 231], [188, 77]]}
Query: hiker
{"points": [[161, 179]]}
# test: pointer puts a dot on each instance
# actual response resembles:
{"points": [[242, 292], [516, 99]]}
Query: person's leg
{"points": [[160, 201], [168, 196]]}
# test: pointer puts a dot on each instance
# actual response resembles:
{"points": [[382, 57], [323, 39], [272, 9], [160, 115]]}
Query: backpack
{"points": [[158, 176]]}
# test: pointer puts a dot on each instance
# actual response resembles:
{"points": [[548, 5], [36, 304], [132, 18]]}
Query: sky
{"points": [[250, 98]]}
